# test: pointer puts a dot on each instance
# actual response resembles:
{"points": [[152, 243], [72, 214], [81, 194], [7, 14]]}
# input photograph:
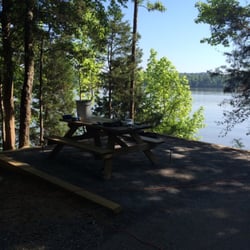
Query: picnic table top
{"points": [[111, 125]]}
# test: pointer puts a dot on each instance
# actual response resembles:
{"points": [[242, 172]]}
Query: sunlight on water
{"points": [[212, 133]]}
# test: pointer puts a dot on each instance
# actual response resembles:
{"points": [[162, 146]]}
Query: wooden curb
{"points": [[114, 207]]}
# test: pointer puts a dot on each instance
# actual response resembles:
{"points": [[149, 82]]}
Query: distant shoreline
{"points": [[207, 89]]}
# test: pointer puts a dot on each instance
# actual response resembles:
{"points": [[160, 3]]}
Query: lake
{"points": [[210, 100]]}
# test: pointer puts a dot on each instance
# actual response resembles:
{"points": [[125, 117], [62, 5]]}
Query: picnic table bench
{"points": [[104, 153]]}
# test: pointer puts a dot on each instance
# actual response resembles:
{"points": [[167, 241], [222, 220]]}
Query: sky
{"points": [[175, 35]]}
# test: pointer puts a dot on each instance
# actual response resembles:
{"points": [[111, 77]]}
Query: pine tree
{"points": [[115, 79]]}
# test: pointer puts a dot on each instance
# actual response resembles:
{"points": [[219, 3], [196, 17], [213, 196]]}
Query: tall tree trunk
{"points": [[2, 125], [110, 87], [26, 98], [8, 125], [41, 93], [133, 55]]}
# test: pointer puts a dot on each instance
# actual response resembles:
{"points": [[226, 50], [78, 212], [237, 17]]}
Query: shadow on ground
{"points": [[196, 197]]}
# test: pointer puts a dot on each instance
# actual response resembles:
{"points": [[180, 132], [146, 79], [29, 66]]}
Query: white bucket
{"points": [[83, 108]]}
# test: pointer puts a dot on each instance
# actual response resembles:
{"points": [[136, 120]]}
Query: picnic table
{"points": [[105, 138]]}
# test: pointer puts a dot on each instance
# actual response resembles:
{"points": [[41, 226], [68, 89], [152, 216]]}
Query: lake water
{"points": [[210, 100]]}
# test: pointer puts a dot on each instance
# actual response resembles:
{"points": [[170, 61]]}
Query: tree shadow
{"points": [[201, 193]]}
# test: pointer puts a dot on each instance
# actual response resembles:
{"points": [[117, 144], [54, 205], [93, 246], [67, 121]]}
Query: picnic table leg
{"points": [[107, 173], [59, 147], [56, 150], [107, 168], [147, 152], [150, 155]]}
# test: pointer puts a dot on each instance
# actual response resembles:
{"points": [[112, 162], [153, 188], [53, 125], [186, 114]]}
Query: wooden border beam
{"points": [[114, 207]]}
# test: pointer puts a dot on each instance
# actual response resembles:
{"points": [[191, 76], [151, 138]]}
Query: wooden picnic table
{"points": [[106, 138]]}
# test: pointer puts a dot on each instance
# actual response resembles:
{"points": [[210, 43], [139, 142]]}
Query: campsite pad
{"points": [[196, 197]]}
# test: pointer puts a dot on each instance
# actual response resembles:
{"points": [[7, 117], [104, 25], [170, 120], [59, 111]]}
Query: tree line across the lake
{"points": [[205, 80], [54, 52]]}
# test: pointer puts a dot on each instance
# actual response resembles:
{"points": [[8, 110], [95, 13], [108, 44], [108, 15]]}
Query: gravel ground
{"points": [[36, 215]]}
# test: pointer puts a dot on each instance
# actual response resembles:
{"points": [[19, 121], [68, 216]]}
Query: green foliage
{"points": [[87, 74], [72, 40], [156, 6], [204, 80], [88, 42], [237, 143], [167, 101], [229, 25], [61, 26], [57, 93], [226, 19], [114, 100]]}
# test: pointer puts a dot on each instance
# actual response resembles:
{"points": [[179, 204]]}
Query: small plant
{"points": [[237, 143]]}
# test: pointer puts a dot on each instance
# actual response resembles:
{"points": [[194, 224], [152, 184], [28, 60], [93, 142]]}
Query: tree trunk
{"points": [[41, 94], [132, 82], [2, 125], [26, 98], [8, 125], [110, 87]]}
